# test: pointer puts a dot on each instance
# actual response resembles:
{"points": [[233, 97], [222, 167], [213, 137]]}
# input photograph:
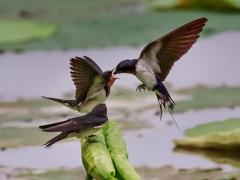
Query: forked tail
{"points": [[168, 103], [55, 127], [57, 138]]}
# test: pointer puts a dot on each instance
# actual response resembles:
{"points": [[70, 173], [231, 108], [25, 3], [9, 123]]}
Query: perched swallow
{"points": [[158, 57], [81, 126], [92, 85]]}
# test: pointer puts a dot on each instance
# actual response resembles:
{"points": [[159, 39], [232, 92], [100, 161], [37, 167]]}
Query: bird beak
{"points": [[113, 74], [112, 78]]}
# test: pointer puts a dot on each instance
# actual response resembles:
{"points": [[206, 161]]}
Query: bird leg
{"points": [[141, 88]]}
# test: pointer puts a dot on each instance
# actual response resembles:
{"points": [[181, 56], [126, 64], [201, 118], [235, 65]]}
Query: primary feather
{"points": [[162, 53]]}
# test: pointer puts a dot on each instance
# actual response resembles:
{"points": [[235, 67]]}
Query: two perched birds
{"points": [[93, 85]]}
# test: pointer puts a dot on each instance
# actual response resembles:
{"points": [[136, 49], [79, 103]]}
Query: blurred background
{"points": [[37, 39]]}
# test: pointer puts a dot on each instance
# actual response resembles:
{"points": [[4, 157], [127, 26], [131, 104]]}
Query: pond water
{"points": [[150, 147], [211, 61]]}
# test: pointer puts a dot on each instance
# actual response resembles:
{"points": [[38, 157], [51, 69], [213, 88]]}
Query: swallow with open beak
{"points": [[82, 126], [92, 85], [157, 59]]}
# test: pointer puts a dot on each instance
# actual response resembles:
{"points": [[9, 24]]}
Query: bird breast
{"points": [[93, 99], [145, 74]]}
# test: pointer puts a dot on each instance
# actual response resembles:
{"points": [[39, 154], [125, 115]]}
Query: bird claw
{"points": [[141, 88]]}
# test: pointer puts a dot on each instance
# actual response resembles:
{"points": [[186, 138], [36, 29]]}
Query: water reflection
{"points": [[217, 156]]}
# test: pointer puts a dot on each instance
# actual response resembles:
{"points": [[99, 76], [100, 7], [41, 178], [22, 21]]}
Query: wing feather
{"points": [[84, 71], [76, 124], [162, 53]]}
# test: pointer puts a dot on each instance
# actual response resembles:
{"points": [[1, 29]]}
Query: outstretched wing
{"points": [[163, 52], [84, 72]]}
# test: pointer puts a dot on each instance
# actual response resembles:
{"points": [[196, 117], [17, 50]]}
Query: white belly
{"points": [[146, 75]]}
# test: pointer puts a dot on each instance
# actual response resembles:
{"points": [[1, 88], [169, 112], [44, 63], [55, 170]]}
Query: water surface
{"points": [[211, 61], [150, 147]]}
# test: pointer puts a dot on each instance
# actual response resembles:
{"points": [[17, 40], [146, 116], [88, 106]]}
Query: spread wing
{"points": [[84, 72], [163, 52]]}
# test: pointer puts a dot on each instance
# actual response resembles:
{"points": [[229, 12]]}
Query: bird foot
{"points": [[141, 88]]}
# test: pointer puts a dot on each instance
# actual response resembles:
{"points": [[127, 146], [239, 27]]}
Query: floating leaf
{"points": [[19, 31], [224, 135], [222, 5]]}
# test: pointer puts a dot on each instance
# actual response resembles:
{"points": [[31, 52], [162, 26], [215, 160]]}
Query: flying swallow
{"points": [[81, 126], [92, 85], [158, 57]]}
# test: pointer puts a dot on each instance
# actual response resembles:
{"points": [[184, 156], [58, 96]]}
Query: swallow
{"points": [[82, 126], [92, 85], [157, 59]]}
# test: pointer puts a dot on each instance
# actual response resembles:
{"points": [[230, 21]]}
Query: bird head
{"points": [[126, 66], [110, 77]]}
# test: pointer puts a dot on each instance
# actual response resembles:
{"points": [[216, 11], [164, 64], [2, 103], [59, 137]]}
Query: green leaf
{"points": [[213, 127], [22, 31], [117, 148], [229, 140], [104, 152], [96, 158], [222, 135], [222, 5]]}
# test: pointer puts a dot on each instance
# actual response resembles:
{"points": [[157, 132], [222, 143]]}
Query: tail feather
{"points": [[166, 101], [160, 105], [62, 101], [168, 104], [57, 138], [163, 95], [175, 122]]}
